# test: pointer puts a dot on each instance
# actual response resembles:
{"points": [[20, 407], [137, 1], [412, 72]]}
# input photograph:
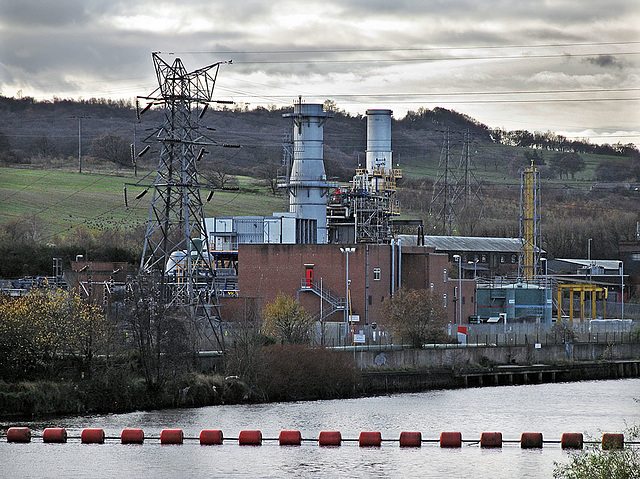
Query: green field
{"points": [[65, 200]]}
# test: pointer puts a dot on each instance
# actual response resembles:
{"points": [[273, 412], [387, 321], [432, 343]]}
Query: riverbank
{"points": [[385, 381], [297, 373], [116, 392]]}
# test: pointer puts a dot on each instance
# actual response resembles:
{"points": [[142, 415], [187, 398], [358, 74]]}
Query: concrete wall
{"points": [[462, 356]]}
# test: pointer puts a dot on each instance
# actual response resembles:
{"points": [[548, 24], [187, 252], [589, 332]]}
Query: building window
{"points": [[431, 286], [444, 300], [514, 258], [502, 258], [377, 274], [444, 275]]}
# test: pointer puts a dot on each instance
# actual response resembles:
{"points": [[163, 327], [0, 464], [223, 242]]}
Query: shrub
{"points": [[296, 372]]}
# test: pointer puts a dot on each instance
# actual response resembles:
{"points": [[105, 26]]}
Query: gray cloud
{"points": [[604, 61], [95, 47]]}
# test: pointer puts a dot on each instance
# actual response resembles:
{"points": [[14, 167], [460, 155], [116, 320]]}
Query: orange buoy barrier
{"points": [[171, 436], [491, 439], [290, 438], [250, 438], [210, 437], [451, 439], [92, 436], [330, 438], [410, 439], [571, 440], [531, 440], [54, 434], [370, 438], [612, 441], [19, 434], [132, 436]]}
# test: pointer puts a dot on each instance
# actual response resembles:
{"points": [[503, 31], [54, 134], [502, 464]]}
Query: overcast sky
{"points": [[570, 66]]}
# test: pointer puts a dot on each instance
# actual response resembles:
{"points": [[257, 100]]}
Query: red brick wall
{"points": [[266, 270]]}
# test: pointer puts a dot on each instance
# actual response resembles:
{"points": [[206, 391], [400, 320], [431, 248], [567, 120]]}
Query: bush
{"points": [[296, 372], [610, 464]]}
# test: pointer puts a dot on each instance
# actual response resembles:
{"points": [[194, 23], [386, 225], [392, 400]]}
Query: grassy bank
{"points": [[117, 393], [278, 373]]}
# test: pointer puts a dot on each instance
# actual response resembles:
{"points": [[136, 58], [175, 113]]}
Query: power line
{"points": [[417, 49], [436, 59]]}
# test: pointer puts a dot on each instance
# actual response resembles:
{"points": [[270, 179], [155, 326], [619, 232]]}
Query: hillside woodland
{"points": [[587, 190]]}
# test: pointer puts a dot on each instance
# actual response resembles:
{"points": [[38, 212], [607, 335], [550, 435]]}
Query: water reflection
{"points": [[590, 407]]}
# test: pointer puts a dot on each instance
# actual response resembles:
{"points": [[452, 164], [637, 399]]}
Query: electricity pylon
{"points": [[176, 247]]}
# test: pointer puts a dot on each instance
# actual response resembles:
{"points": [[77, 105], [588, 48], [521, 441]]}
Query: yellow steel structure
{"points": [[582, 289], [529, 231]]}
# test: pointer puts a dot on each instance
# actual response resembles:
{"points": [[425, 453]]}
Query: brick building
{"points": [[311, 272]]}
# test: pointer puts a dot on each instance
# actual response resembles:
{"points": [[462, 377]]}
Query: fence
{"points": [[338, 334]]}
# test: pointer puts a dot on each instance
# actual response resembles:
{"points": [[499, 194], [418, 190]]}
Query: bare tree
{"points": [[416, 315], [160, 333], [113, 148]]}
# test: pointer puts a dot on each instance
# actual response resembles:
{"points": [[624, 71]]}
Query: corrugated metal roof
{"points": [[466, 243]]}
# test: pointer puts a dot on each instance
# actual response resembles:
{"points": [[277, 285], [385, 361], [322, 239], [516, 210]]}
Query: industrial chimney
{"points": [[308, 182], [378, 153]]}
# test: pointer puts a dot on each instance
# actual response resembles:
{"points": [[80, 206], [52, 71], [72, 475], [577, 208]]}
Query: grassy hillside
{"points": [[39, 148], [64, 200]]}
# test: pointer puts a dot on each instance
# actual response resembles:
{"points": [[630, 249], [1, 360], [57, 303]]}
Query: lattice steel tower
{"points": [[176, 249], [530, 233]]}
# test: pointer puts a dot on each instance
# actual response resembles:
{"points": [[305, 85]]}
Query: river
{"points": [[589, 407]]}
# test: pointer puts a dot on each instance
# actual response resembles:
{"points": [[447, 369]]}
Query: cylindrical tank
{"points": [[308, 180], [378, 154]]}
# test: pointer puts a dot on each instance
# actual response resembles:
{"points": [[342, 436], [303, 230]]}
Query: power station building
{"points": [[334, 250]]}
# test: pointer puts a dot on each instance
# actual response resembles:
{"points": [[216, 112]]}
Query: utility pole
{"points": [[79, 118]]}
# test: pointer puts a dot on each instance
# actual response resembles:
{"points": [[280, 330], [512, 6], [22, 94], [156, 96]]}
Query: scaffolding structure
{"points": [[530, 233]]}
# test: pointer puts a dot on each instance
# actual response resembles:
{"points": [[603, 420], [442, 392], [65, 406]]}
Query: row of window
{"points": [[484, 258]]}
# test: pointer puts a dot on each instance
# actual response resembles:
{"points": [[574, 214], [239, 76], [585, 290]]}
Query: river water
{"points": [[589, 407]]}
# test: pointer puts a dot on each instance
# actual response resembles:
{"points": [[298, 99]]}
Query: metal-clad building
{"points": [[517, 302], [481, 256]]}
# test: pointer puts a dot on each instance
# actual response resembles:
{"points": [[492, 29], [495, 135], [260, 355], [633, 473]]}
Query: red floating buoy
{"points": [[132, 436], [330, 438], [531, 440], [54, 434], [210, 437], [491, 439], [171, 436], [451, 439], [250, 438], [571, 440], [19, 434], [92, 436], [290, 438], [370, 438], [410, 439], [612, 441]]}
